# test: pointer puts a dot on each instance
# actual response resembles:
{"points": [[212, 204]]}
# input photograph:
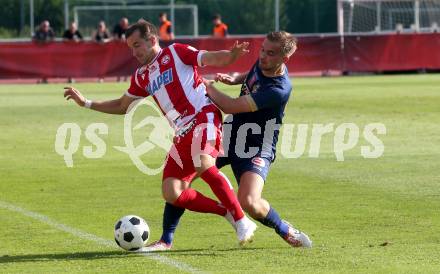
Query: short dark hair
{"points": [[162, 14], [145, 28], [216, 16], [287, 41]]}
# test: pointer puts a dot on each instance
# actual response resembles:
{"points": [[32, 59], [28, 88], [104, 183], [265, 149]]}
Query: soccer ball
{"points": [[131, 232]]}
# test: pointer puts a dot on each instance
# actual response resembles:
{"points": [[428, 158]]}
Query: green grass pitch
{"points": [[363, 215]]}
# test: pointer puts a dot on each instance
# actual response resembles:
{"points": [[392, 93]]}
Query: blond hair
{"points": [[287, 41]]}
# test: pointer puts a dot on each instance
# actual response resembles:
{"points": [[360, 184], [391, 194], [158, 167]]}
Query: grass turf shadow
{"points": [[62, 256]]}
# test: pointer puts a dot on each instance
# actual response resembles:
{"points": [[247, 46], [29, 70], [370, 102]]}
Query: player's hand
{"points": [[225, 78], [207, 82], [72, 93], [238, 50]]}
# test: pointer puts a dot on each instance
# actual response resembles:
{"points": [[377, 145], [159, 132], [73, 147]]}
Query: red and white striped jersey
{"points": [[173, 81]]}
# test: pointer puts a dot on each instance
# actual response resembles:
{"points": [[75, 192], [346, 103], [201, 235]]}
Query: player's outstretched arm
{"points": [[228, 104], [225, 57], [117, 106], [229, 79]]}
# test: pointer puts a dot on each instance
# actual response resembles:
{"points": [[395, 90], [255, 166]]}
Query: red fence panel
{"points": [[392, 52], [65, 59]]}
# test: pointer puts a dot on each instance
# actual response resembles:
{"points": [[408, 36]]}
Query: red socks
{"points": [[223, 191], [196, 201]]}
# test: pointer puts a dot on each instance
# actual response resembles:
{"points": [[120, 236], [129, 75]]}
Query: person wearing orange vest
{"points": [[165, 30], [220, 29]]}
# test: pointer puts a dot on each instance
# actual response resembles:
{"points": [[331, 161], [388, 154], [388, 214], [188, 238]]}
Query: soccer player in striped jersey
{"points": [[170, 76]]}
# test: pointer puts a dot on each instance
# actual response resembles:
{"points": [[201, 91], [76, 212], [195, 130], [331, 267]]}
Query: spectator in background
{"points": [[119, 35], [120, 28], [44, 33], [165, 28], [101, 35], [220, 29], [72, 33]]}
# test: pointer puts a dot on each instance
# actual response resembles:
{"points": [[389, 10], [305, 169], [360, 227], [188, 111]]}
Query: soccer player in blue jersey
{"points": [[260, 108]]}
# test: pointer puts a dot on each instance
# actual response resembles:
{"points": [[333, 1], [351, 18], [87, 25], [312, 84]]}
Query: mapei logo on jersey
{"points": [[163, 79], [258, 161], [165, 60]]}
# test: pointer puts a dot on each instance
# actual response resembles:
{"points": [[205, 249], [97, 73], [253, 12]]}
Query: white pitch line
{"points": [[91, 237]]}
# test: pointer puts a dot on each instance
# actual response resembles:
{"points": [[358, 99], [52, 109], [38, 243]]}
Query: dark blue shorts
{"points": [[239, 166]]}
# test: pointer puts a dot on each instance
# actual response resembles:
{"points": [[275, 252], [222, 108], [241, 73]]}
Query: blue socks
{"points": [[273, 220], [171, 217], [172, 214]]}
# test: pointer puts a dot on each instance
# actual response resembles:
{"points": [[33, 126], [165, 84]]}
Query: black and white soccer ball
{"points": [[131, 232]]}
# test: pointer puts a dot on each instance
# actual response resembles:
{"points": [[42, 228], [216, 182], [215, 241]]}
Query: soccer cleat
{"points": [[245, 229], [154, 247], [231, 220], [296, 238]]}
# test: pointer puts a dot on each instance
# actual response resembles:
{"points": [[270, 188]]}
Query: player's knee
{"points": [[169, 197], [170, 194], [248, 203]]}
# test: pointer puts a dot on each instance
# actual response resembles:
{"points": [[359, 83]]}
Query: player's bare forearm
{"points": [[228, 104], [117, 106], [110, 107], [218, 58], [239, 79], [222, 100], [225, 57]]}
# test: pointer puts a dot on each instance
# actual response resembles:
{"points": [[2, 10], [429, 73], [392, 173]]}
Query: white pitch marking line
{"points": [[91, 237]]}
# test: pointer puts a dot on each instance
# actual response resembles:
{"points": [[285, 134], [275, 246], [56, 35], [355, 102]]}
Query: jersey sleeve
{"points": [[135, 91], [271, 96], [189, 55]]}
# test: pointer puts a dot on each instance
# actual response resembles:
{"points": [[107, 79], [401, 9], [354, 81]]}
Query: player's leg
{"points": [[172, 214], [219, 185], [249, 195], [176, 189], [223, 190], [179, 194], [170, 221], [205, 146], [252, 176]]}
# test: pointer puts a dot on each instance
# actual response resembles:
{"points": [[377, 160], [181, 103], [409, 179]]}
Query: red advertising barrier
{"points": [[64, 59], [392, 52], [315, 54]]}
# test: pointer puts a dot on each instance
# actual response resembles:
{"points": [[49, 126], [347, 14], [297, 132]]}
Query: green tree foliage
{"points": [[52, 10], [9, 18], [14, 16], [242, 16], [311, 16]]}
